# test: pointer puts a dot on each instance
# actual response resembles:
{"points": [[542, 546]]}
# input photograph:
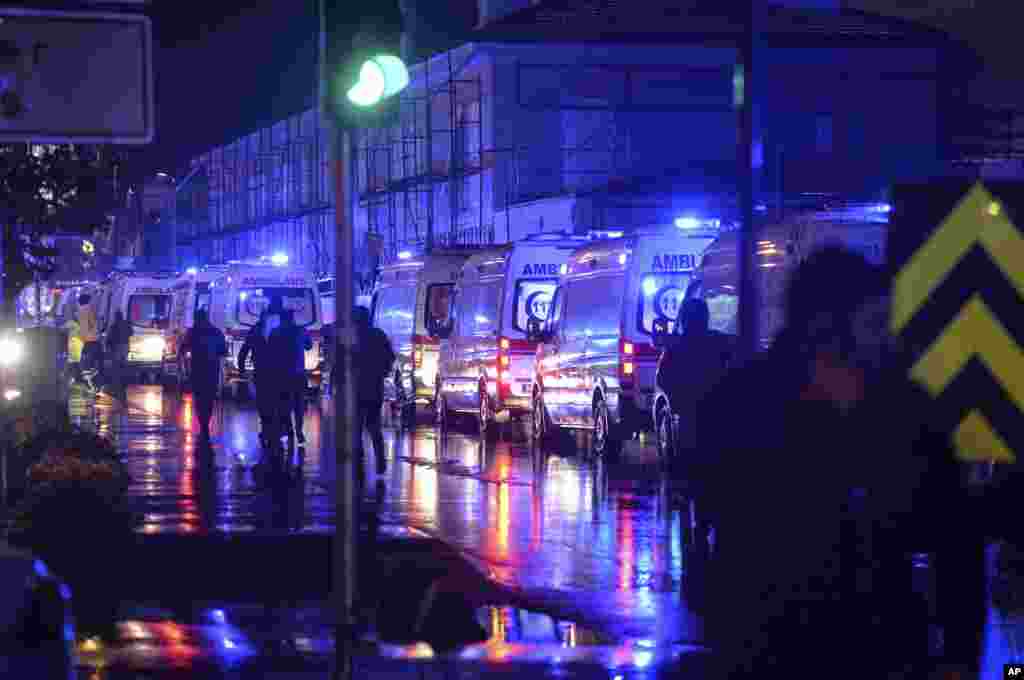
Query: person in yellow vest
{"points": [[88, 331]]}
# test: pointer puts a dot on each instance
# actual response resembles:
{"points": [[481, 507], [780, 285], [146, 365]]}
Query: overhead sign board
{"points": [[958, 306], [75, 77]]}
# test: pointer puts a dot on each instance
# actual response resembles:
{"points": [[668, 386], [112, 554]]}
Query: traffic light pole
{"points": [[344, 548], [346, 538]]}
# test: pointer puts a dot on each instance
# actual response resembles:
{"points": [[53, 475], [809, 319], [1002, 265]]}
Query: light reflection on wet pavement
{"points": [[178, 488], [597, 546]]}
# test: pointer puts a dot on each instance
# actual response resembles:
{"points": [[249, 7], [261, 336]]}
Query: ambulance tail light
{"points": [[417, 356], [504, 362], [627, 364]]}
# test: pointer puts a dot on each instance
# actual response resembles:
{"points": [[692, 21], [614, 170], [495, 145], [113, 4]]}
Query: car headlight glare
{"points": [[11, 351], [153, 345]]}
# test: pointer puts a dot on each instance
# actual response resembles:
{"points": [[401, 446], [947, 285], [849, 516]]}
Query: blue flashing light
{"points": [[687, 222], [404, 255], [41, 569], [882, 208], [192, 271], [279, 259]]}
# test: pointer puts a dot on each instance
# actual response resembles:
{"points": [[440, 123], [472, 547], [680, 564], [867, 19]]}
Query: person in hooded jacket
{"points": [[118, 342]]}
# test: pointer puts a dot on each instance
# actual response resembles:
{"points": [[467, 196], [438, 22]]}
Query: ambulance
{"points": [[487, 365], [242, 290], [145, 300], [191, 293], [596, 359], [781, 247], [410, 296]]}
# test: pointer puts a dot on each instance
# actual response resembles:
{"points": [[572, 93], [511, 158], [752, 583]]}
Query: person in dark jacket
{"points": [[255, 347], [118, 341], [693, 363], [288, 344], [208, 347], [375, 359], [817, 488]]}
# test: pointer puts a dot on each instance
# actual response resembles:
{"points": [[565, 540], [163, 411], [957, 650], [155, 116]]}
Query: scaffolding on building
{"points": [[267, 191], [435, 150]]}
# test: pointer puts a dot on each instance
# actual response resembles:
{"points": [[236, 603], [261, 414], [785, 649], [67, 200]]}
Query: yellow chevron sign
{"points": [[977, 220]]}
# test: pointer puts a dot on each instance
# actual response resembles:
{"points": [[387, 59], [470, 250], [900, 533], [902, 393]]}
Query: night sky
{"points": [[224, 68], [222, 72]]}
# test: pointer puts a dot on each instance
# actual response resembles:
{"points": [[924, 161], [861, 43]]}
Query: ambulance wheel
{"points": [[604, 443]]}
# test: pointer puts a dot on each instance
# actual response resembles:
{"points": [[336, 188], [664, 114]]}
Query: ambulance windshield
{"points": [[301, 301]]}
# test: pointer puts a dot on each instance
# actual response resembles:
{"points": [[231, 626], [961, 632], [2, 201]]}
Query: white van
{"points": [[145, 300], [191, 293], [410, 295], [780, 248], [596, 362], [487, 362], [240, 292]]}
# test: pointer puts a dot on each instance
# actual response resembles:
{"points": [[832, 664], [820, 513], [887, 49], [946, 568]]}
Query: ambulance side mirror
{"points": [[660, 334]]}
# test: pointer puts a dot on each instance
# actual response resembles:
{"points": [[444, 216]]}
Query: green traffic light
{"points": [[379, 77]]}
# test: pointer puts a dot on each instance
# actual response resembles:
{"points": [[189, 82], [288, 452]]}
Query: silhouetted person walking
{"points": [[118, 342], [255, 347], [208, 347], [372, 361], [288, 345]]}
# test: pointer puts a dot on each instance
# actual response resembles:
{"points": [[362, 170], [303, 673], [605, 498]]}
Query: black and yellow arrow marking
{"points": [[950, 293]]}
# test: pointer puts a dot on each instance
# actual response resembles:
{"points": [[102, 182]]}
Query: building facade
{"points": [[547, 122]]}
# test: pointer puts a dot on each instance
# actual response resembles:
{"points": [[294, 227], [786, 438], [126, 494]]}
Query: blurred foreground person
{"points": [[822, 477]]}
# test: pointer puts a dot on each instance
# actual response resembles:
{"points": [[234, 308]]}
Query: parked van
{"points": [[487, 362], [410, 295], [781, 247], [145, 300], [191, 293], [596, 362], [240, 292]]}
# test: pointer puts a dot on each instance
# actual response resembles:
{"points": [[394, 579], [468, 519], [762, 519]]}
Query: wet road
{"points": [[601, 546], [156, 433], [556, 530]]}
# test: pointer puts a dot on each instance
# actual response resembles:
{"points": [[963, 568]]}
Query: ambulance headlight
{"points": [[153, 345], [11, 351]]}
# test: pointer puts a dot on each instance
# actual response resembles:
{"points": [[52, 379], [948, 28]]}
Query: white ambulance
{"points": [[145, 300], [487, 365], [409, 296], [596, 362], [191, 293], [240, 292]]}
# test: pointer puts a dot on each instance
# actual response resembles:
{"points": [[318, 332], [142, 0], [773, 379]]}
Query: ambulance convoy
{"points": [[161, 308], [563, 329]]}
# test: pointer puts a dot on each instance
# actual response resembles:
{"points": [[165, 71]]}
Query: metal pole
{"points": [[745, 165], [344, 556]]}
